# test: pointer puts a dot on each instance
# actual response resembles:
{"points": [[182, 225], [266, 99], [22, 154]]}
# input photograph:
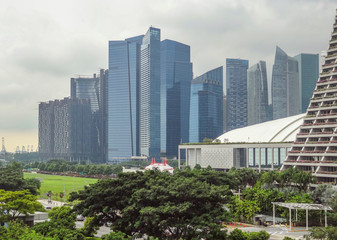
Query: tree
{"points": [[116, 236], [15, 203], [11, 177], [156, 204], [61, 225], [33, 185], [317, 233], [17, 230], [246, 209]]}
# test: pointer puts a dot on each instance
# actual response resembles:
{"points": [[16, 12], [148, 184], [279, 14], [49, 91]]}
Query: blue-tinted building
{"points": [[236, 93], [92, 88], [257, 94], [149, 90], [176, 76], [123, 99], [285, 87], [308, 69], [206, 107]]}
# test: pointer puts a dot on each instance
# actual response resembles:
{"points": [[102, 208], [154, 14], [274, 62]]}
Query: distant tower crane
{"points": [[17, 149], [3, 149]]}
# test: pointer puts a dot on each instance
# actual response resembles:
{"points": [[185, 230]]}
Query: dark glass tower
{"points": [[93, 88], [123, 99], [236, 93], [206, 107], [286, 98], [176, 76], [257, 93], [308, 74], [150, 94]]}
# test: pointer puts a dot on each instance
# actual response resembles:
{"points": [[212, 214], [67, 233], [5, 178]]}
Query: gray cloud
{"points": [[44, 43]]}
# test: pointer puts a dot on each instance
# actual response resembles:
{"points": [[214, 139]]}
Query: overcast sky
{"points": [[45, 43]]}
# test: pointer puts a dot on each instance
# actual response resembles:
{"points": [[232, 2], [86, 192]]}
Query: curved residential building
{"points": [[315, 147]]}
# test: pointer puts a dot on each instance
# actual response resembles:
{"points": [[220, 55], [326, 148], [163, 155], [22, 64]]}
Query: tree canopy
{"points": [[156, 204], [15, 203]]}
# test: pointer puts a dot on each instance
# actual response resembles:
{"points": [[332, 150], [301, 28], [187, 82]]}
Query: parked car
{"points": [[80, 218]]}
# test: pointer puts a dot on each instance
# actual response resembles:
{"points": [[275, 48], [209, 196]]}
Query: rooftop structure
{"points": [[315, 147], [163, 167], [279, 130]]}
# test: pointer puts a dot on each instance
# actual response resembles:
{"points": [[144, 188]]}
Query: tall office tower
{"points": [[91, 88], [236, 93], [149, 90], [285, 87], [308, 74], [315, 147], [123, 99], [206, 108], [64, 129], [176, 76], [257, 94]]}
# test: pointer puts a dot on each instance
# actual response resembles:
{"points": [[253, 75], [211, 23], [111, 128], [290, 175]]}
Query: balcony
{"points": [[331, 56]]}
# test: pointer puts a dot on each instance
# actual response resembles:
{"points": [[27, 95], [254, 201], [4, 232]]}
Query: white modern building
{"points": [[261, 146]]}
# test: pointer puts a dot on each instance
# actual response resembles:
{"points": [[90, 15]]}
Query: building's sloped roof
{"points": [[279, 130]]}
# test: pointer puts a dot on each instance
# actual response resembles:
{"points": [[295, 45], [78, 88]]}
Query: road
{"points": [[278, 233]]}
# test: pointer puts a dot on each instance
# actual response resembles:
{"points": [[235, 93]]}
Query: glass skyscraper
{"points": [[123, 99], [236, 93], [286, 98], [90, 88], [257, 93], [308, 69], [150, 94], [176, 76], [206, 107]]}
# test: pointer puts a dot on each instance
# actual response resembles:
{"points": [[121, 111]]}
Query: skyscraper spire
{"points": [[315, 147]]}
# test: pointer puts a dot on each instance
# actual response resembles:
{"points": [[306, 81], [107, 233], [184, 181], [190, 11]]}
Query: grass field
{"points": [[58, 184]]}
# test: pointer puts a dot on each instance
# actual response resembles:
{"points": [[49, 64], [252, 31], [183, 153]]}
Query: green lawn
{"points": [[58, 184]]}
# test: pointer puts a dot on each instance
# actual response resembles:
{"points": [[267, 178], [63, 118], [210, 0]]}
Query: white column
{"points": [[259, 159], [247, 157], [273, 214], [196, 158], [326, 218], [272, 158]]}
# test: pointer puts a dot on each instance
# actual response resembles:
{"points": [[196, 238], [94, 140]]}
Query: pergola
{"points": [[303, 206]]}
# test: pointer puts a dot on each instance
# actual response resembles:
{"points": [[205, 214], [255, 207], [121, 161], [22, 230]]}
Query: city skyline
{"points": [[37, 61]]}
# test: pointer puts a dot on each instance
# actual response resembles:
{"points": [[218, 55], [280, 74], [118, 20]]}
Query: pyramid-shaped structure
{"points": [[315, 147]]}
